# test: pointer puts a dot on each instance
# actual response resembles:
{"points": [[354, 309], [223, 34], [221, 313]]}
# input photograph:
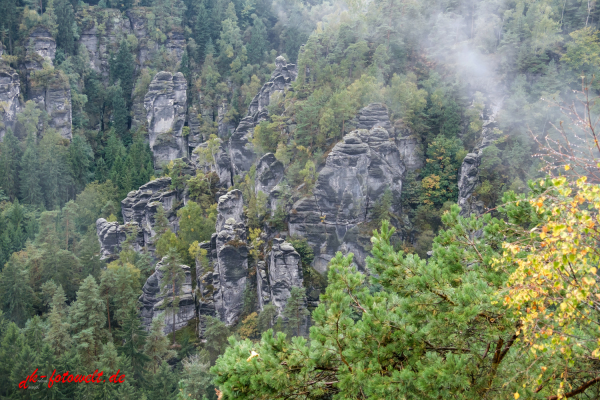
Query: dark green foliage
{"points": [[10, 157], [120, 119], [30, 177], [65, 19], [202, 31], [258, 45]]}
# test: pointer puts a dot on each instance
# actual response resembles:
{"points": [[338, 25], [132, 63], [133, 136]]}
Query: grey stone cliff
{"points": [[42, 43], [111, 235], [140, 206], [285, 272], [357, 173], [153, 304], [10, 88], [165, 104], [371, 116], [101, 32], [229, 259], [468, 178], [241, 150]]}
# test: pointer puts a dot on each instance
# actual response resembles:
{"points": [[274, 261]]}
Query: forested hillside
{"points": [[299, 199]]}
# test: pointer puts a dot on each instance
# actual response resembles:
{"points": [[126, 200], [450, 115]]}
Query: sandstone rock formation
{"points": [[357, 172], [55, 98], [468, 177], [111, 235], [165, 104], [371, 116], [224, 127], [42, 43], [101, 32], [285, 272], [230, 260], [411, 152], [10, 88], [269, 172], [50, 91], [153, 304], [140, 206], [241, 149]]}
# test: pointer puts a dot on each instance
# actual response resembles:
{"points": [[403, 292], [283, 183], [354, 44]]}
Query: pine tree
{"points": [[88, 319], [161, 223], [9, 24], [164, 383], [173, 278], [267, 317], [232, 52], [134, 337], [10, 158], [202, 31], [58, 337], [157, 344], [34, 333], [55, 175], [15, 293], [122, 70], [10, 347], [29, 177], [80, 156], [295, 311], [120, 118], [216, 334], [258, 43], [65, 18]]}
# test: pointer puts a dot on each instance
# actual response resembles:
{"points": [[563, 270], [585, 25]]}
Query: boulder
{"points": [[153, 304], [165, 105]]}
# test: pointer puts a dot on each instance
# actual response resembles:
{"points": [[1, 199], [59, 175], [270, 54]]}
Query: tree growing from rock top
{"points": [[172, 283]]}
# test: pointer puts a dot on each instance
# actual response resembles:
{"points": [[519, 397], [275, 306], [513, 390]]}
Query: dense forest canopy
{"points": [[300, 199]]}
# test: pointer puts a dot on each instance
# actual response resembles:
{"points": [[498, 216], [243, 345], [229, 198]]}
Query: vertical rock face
{"points": [[42, 43], [224, 128], [52, 93], [357, 173], [230, 258], [10, 88], [269, 172], [285, 272], [411, 151], [147, 49], [371, 116], [140, 206], [153, 304], [241, 149], [281, 80], [468, 178], [101, 32], [111, 235], [54, 96], [165, 104]]}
